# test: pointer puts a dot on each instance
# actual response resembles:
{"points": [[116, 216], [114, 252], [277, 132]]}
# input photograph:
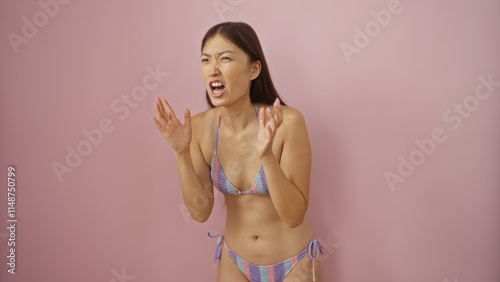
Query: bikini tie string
{"points": [[218, 246], [313, 254]]}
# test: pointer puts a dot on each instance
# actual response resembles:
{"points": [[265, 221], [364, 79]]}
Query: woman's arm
{"points": [[194, 173], [288, 181]]}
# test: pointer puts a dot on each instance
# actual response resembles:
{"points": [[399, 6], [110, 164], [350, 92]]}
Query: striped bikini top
{"points": [[223, 184]]}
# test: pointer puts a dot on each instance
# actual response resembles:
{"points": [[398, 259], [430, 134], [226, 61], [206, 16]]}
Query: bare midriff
{"points": [[255, 232]]}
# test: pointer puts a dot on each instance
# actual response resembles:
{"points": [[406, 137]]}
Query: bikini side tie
{"points": [[313, 254], [218, 246]]}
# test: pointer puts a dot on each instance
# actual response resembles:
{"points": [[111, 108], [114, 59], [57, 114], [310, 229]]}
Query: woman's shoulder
{"points": [[292, 117], [203, 128], [202, 121], [293, 122], [288, 112], [202, 117], [292, 113]]}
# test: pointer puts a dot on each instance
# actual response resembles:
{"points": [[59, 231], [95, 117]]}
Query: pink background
{"points": [[119, 214]]}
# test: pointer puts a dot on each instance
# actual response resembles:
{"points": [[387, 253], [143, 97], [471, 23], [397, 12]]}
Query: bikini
{"points": [[254, 273]]}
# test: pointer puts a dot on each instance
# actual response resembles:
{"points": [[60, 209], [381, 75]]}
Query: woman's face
{"points": [[226, 71]]}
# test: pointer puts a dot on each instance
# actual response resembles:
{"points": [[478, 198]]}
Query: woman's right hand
{"points": [[177, 134]]}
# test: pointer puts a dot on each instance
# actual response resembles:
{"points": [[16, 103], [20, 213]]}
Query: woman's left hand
{"points": [[267, 131]]}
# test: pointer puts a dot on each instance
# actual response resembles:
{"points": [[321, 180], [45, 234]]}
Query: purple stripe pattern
{"points": [[268, 273]]}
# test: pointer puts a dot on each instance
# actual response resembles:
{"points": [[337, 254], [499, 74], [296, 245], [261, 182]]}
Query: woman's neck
{"points": [[237, 116]]}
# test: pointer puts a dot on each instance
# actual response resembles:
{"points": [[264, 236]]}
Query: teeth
{"points": [[216, 84]]}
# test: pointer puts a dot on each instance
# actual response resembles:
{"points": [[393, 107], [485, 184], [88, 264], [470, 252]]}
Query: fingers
{"points": [[168, 110], [279, 111], [159, 117], [270, 133], [275, 120], [272, 123], [165, 112], [157, 123], [262, 118], [165, 115], [187, 117], [161, 114]]}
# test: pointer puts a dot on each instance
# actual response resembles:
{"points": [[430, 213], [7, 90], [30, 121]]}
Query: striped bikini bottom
{"points": [[267, 273]]}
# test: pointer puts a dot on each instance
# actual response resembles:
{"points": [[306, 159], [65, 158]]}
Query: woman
{"points": [[264, 148]]}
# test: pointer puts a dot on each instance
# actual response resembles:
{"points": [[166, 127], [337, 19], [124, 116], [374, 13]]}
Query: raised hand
{"points": [[267, 131], [177, 134]]}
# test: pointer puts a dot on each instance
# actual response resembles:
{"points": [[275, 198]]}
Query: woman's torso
{"points": [[253, 228]]}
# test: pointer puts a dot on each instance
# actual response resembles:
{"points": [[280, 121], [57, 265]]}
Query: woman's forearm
{"points": [[288, 200], [198, 198]]}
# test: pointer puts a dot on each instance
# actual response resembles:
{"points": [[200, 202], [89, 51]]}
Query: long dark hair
{"points": [[242, 35]]}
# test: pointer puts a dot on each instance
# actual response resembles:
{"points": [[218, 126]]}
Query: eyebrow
{"points": [[218, 54]]}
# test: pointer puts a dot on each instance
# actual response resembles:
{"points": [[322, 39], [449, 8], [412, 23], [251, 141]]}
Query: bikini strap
{"points": [[216, 135]]}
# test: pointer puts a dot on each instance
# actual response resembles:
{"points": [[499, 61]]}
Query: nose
{"points": [[214, 69]]}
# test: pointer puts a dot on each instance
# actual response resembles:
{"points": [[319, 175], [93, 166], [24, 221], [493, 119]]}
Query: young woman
{"points": [[254, 149]]}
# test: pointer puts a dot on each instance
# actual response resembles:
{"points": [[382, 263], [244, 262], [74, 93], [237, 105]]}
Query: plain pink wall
{"points": [[368, 101]]}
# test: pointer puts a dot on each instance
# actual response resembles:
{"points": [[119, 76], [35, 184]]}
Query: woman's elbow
{"points": [[295, 216], [200, 215], [200, 219], [294, 222]]}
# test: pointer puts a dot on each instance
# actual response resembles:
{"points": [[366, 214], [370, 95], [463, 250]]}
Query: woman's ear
{"points": [[255, 69]]}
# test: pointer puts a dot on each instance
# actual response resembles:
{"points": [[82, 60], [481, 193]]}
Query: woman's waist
{"points": [[267, 243]]}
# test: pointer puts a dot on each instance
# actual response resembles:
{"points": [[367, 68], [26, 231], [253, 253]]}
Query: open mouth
{"points": [[217, 88]]}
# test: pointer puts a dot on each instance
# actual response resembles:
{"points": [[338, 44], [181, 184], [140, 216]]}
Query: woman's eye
{"points": [[204, 60], [226, 58]]}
